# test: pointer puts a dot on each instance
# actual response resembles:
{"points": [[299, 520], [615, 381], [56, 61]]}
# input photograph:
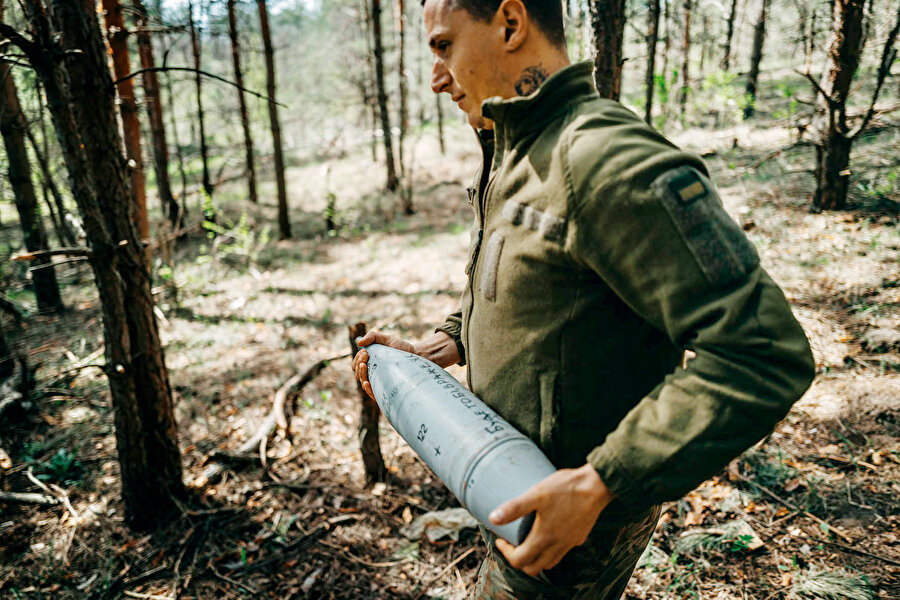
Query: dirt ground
{"points": [[810, 512]]}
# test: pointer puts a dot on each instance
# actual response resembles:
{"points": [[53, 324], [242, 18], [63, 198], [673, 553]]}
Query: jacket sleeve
{"points": [[452, 326], [657, 234]]}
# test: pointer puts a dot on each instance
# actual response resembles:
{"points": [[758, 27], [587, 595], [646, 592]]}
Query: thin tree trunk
{"points": [[440, 121], [666, 92], [81, 100], [12, 126], [369, 445], [404, 109], [833, 150], [686, 60], [242, 101], [650, 77], [284, 223], [155, 116], [204, 150], [66, 237], [608, 28], [179, 152], [729, 36], [131, 126], [759, 37], [378, 50], [370, 84]]}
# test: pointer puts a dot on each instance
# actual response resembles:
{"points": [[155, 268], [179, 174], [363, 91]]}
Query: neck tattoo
{"points": [[531, 80]]}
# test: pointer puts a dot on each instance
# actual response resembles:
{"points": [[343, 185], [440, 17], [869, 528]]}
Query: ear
{"points": [[515, 22]]}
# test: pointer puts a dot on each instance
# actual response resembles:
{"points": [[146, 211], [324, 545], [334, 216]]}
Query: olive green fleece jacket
{"points": [[600, 252]]}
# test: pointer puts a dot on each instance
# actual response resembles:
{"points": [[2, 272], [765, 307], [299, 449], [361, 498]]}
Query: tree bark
{"points": [[242, 102], [686, 60], [12, 126], [378, 50], [608, 28], [759, 37], [284, 223], [650, 77], [179, 153], [154, 108], [440, 121], [371, 100], [198, 83], [131, 126], [369, 445], [729, 36], [833, 149], [404, 109], [81, 99]]}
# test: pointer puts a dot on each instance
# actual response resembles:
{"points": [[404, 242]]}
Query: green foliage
{"points": [[62, 467], [236, 244]]}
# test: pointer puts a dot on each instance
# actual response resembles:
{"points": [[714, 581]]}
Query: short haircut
{"points": [[546, 13]]}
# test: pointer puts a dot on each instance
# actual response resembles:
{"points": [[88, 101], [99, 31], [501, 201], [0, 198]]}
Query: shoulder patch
{"points": [[721, 249]]}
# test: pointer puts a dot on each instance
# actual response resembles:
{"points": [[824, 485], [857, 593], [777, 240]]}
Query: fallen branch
{"points": [[456, 561], [299, 544], [276, 415], [38, 254], [259, 439], [850, 550], [27, 498], [828, 527]]}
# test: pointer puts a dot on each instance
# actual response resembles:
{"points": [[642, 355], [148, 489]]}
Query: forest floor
{"points": [[810, 512]]}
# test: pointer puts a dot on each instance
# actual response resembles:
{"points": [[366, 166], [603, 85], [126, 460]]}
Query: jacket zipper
{"points": [[482, 203]]}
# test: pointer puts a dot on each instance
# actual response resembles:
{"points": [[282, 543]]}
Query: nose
{"points": [[440, 77]]}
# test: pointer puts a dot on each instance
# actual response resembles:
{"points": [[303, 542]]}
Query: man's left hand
{"points": [[567, 504]]}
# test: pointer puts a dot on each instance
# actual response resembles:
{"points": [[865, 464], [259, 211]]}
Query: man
{"points": [[600, 253]]}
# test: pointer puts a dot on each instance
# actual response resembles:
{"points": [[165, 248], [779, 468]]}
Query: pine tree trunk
{"points": [[154, 107], [404, 109], [198, 82], [729, 35], [440, 121], [686, 60], [608, 28], [369, 444], [833, 149], [378, 51], [81, 98], [650, 77], [242, 102], [284, 223], [179, 153], [666, 91], [131, 125], [759, 37], [372, 103], [12, 126], [832, 172]]}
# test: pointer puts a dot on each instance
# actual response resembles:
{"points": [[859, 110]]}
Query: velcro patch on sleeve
{"points": [[721, 249]]}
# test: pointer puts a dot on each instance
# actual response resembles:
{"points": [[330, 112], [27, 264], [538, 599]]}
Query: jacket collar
{"points": [[515, 117]]}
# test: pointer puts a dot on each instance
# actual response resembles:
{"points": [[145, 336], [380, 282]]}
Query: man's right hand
{"points": [[439, 349]]}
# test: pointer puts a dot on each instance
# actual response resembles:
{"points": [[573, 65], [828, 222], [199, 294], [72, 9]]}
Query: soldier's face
{"points": [[467, 52]]}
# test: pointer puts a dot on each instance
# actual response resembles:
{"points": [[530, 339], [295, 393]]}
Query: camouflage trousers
{"points": [[597, 570]]}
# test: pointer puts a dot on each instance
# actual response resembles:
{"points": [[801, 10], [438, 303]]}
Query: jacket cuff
{"points": [[453, 327], [626, 490]]}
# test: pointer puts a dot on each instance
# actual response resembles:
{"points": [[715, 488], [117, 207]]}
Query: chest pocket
{"points": [[491, 270]]}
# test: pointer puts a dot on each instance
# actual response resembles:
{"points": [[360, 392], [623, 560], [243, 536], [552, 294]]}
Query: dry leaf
{"points": [[407, 515]]}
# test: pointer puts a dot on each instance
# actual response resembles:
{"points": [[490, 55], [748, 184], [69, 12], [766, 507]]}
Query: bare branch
{"points": [[39, 254], [192, 70], [887, 60]]}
